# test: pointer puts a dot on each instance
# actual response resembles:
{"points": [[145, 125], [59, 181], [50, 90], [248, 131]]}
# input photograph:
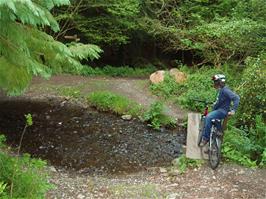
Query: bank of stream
{"points": [[79, 138]]}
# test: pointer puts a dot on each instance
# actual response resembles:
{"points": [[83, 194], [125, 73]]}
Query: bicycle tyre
{"points": [[214, 149], [201, 128]]}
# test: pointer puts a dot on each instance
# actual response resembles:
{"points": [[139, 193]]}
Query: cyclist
{"points": [[221, 107]]}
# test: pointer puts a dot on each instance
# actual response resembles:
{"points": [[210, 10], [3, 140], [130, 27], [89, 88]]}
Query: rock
{"points": [[53, 169], [178, 75], [63, 103], [163, 170], [157, 76], [80, 196], [173, 196], [126, 117]]}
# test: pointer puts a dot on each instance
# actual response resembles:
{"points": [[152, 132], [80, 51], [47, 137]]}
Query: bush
{"points": [[237, 147], [156, 117], [246, 146], [26, 174], [253, 91], [183, 163], [167, 88]]}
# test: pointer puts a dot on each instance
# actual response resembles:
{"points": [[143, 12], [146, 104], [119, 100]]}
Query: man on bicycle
{"points": [[221, 107]]}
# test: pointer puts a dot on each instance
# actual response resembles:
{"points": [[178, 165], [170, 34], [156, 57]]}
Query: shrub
{"points": [[237, 147], [167, 88], [253, 91], [183, 163], [156, 117], [246, 146], [29, 179]]}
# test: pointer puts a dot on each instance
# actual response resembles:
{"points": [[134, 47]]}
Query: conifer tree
{"points": [[26, 50]]}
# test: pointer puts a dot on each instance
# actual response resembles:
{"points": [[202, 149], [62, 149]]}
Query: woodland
{"points": [[134, 38]]}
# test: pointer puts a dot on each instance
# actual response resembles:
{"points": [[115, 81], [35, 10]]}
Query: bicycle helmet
{"points": [[218, 78]]}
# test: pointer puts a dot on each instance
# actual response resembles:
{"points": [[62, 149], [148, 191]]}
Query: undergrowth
{"points": [[183, 163], [156, 117], [246, 146], [123, 71], [22, 176]]}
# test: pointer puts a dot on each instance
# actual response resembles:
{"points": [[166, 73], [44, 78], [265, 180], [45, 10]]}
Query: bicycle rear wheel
{"points": [[214, 150], [201, 128]]}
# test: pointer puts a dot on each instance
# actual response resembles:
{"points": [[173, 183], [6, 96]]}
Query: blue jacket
{"points": [[225, 97]]}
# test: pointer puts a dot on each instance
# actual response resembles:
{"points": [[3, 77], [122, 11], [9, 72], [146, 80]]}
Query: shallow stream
{"points": [[83, 139]]}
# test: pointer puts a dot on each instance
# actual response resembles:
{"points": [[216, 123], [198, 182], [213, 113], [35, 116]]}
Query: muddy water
{"points": [[72, 137]]}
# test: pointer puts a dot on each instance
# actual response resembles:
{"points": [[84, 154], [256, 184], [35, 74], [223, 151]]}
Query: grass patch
{"points": [[107, 101], [70, 91]]}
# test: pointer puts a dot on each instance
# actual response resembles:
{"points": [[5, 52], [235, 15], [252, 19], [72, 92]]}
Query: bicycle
{"points": [[216, 136]]}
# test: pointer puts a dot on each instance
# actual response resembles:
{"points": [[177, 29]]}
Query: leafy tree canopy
{"points": [[218, 31], [25, 50]]}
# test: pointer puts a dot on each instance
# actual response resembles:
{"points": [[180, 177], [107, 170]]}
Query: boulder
{"points": [[126, 117], [178, 75], [157, 76]]}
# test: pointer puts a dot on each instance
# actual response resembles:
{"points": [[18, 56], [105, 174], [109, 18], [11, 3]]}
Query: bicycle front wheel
{"points": [[214, 151], [201, 129]]}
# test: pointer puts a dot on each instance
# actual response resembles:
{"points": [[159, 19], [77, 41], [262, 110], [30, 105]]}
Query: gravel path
{"points": [[228, 181]]}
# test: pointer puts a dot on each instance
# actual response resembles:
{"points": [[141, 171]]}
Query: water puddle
{"points": [[73, 137]]}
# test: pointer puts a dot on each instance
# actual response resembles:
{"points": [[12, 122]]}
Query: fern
{"points": [[25, 50], [81, 51]]}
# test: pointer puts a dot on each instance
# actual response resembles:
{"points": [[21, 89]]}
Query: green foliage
{"points": [[2, 140], [107, 101], [237, 147], [197, 86], [124, 71], [246, 146], [263, 160], [2, 188], [252, 91], [29, 121], [25, 50], [103, 22], [217, 31], [183, 163], [29, 180], [128, 71], [156, 117], [224, 39], [167, 88], [81, 51]]}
